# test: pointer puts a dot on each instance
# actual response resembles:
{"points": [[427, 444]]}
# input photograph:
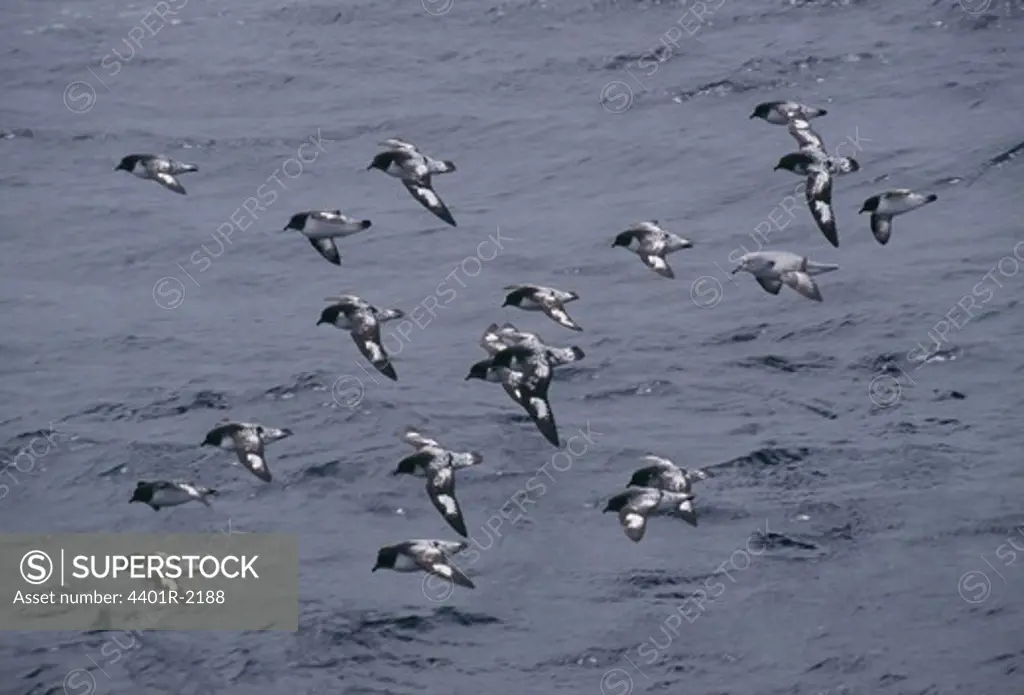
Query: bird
{"points": [[665, 475], [772, 269], [652, 243], [540, 298], [486, 370], [362, 321], [635, 504], [163, 493], [247, 441], [431, 556], [781, 112], [403, 161], [434, 166], [496, 338], [322, 227], [156, 167], [438, 466], [811, 143], [884, 206], [334, 315], [818, 190], [418, 441], [530, 389]]}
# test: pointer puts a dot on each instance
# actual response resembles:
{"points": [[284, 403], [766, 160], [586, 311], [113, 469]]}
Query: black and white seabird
{"points": [[652, 243], [403, 161], [811, 143], [884, 206], [322, 227], [417, 440], [530, 390], [772, 269], [781, 112], [434, 166], [665, 475], [163, 493], [246, 440], [156, 167], [496, 338], [362, 320], [438, 466], [634, 506], [540, 298], [431, 556], [818, 190]]}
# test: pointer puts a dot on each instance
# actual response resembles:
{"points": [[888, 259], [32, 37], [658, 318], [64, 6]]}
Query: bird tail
{"points": [[821, 267]]}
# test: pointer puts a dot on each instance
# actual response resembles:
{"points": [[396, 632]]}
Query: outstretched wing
{"points": [[366, 334], [249, 449], [425, 195], [168, 181], [819, 199], [327, 249]]}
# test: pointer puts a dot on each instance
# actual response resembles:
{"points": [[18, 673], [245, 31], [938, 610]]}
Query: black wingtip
{"points": [[460, 527], [387, 370]]}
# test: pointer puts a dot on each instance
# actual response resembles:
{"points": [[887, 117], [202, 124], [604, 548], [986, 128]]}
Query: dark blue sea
{"points": [[863, 532]]}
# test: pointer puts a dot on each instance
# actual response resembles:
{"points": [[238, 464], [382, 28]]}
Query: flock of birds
{"points": [[520, 361]]}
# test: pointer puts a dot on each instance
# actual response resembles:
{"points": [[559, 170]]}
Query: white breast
{"points": [[404, 563]]}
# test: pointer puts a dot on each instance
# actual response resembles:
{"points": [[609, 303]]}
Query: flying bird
{"points": [[782, 112], [247, 441], [322, 227], [438, 466], [652, 243], [531, 389], [884, 206], [414, 169], [636, 504], [496, 338], [665, 475], [163, 493], [540, 298], [772, 269], [818, 190], [156, 167], [362, 320], [431, 556]]}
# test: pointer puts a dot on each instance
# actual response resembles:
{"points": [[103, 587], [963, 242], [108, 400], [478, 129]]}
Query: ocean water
{"points": [[859, 533]]}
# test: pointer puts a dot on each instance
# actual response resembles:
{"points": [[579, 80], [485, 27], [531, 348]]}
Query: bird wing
{"points": [[881, 227], [802, 283], [424, 194], [168, 181], [327, 249], [819, 199], [249, 449], [554, 309], [366, 335], [441, 489]]}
